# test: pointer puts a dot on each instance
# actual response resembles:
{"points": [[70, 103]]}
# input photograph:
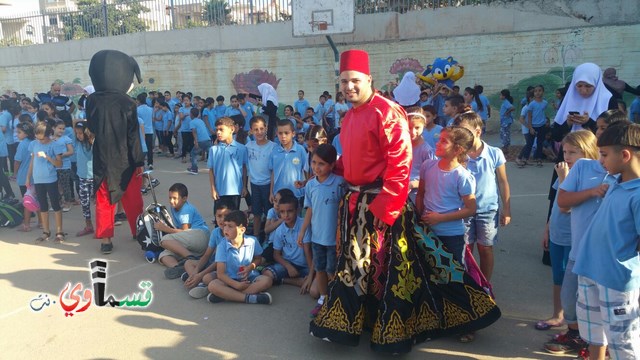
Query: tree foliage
{"points": [[122, 18], [216, 12]]}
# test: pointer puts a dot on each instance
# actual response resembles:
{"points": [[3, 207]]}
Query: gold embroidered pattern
{"points": [[454, 315], [356, 327], [481, 303], [427, 320], [335, 319], [394, 331], [407, 282]]}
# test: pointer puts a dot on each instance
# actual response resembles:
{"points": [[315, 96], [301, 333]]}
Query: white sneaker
{"points": [[199, 291]]}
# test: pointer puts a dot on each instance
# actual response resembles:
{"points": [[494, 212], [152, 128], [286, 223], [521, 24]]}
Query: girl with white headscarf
{"points": [[408, 92], [269, 107], [586, 98]]}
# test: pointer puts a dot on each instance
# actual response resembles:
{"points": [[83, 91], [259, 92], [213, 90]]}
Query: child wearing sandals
{"points": [[22, 161], [64, 171], [46, 156], [83, 147]]}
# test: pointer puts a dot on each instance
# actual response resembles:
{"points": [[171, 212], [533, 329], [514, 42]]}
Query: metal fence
{"points": [[98, 18]]}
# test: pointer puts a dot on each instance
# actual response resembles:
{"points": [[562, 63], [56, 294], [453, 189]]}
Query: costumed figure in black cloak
{"points": [[117, 152]]}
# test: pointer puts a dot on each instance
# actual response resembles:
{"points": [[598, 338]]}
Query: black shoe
{"points": [[174, 272], [150, 167], [214, 299], [184, 276], [106, 248]]}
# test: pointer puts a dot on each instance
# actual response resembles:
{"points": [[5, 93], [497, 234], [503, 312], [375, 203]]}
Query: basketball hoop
{"points": [[318, 25]]}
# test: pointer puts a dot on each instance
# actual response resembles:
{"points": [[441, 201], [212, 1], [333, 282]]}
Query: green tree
{"points": [[89, 20], [215, 12]]}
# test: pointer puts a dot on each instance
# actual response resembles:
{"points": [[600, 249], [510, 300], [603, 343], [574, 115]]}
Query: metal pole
{"points": [[104, 18], [173, 20], [336, 59]]}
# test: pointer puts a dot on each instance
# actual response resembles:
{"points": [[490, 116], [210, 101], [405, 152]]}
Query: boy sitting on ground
{"points": [[236, 260], [199, 273], [293, 264], [188, 240]]}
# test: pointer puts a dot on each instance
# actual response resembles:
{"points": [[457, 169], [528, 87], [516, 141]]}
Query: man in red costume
{"points": [[384, 281]]}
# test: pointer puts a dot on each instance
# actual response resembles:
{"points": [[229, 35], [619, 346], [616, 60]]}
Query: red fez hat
{"points": [[355, 60]]}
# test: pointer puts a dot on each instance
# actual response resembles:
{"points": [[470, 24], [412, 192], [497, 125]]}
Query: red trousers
{"points": [[105, 210]]}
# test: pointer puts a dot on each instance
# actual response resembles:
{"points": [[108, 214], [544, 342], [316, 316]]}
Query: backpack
{"points": [[146, 235], [11, 213]]}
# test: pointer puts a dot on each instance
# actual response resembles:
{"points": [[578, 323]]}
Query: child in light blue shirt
{"points": [[288, 162], [506, 118], [201, 140], [258, 153], [83, 147]]}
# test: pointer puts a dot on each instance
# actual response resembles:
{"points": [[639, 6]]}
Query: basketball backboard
{"points": [[322, 17]]}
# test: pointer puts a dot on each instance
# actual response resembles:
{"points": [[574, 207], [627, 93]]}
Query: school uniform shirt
{"points": [[301, 106], [341, 107], [227, 162], [420, 154], [484, 114], [202, 133], [248, 108], [158, 120], [585, 174], [5, 121], [634, 109], [288, 166], [214, 240], [432, 136], [319, 111], [608, 253], [143, 143], [231, 111], [220, 110], [444, 192], [188, 214], [523, 114], [236, 257], [64, 141], [14, 134], [285, 239], [329, 108], [168, 121], [44, 172], [24, 156], [211, 117], [559, 223], [337, 144], [323, 198], [185, 126], [258, 162], [68, 131], [536, 109], [504, 118], [145, 112], [483, 168], [271, 215], [85, 160]]}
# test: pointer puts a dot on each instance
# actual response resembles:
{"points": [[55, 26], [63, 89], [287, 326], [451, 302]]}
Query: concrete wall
{"points": [[498, 45]]}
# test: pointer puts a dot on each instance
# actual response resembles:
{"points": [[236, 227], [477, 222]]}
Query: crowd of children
{"points": [[459, 185]]}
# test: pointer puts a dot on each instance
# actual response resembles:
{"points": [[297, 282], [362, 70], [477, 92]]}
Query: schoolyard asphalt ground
{"points": [[175, 326]]}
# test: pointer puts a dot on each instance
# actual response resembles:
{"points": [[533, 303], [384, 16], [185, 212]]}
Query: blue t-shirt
{"points": [[504, 118], [236, 257], [420, 154], [329, 108], [337, 144], [258, 162], [536, 109], [271, 215], [324, 198], [285, 240], [634, 109], [227, 162], [210, 114], [64, 141], [188, 214], [608, 252], [158, 120], [248, 109], [167, 121], [484, 114], [443, 194], [523, 114], [559, 223], [432, 136], [231, 111], [43, 170], [145, 112], [216, 238], [585, 174], [288, 167], [220, 110], [85, 160], [24, 156], [185, 124], [142, 142], [301, 106], [483, 168], [202, 133], [5, 121], [319, 112]]}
